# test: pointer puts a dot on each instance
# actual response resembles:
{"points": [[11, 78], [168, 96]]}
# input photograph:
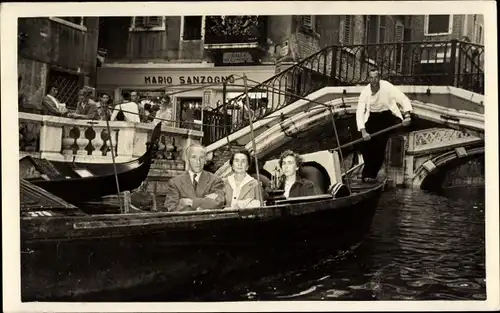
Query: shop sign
{"points": [[188, 80], [237, 58]]}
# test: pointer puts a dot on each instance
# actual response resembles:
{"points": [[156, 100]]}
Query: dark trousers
{"points": [[373, 150]]}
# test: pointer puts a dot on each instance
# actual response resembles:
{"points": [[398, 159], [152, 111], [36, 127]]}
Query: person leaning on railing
{"points": [[86, 109]]}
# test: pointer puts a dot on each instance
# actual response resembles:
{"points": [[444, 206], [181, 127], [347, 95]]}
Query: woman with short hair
{"points": [[294, 186], [241, 189]]}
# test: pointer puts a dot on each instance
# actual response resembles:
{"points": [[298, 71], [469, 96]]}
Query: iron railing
{"points": [[450, 63]]}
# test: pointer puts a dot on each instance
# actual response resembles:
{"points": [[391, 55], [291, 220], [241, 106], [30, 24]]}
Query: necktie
{"points": [[195, 183]]}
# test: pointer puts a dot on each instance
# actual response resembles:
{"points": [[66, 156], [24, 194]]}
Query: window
{"points": [[71, 21], [399, 33], [345, 36], [308, 23], [438, 25], [148, 23], [192, 28], [381, 28]]}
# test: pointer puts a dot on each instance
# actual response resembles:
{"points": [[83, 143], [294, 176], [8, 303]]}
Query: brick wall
{"points": [[223, 154], [418, 27]]}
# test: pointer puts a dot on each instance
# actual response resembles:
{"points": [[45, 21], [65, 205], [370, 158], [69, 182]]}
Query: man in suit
{"points": [[195, 189], [86, 109]]}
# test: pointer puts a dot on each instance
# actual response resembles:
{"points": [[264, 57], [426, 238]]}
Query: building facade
{"points": [[468, 28], [173, 54], [58, 51]]}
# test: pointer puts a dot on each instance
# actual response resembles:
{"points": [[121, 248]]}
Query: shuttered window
{"points": [[345, 35], [399, 33], [382, 21], [147, 22], [192, 28], [307, 21]]}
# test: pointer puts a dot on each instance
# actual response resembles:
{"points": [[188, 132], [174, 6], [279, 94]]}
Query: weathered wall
{"points": [[418, 24]]}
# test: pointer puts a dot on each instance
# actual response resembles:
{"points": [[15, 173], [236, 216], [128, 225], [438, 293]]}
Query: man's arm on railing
{"points": [[92, 114], [49, 108]]}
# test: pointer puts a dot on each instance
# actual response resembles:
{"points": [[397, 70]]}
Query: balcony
{"points": [[64, 139], [234, 32]]}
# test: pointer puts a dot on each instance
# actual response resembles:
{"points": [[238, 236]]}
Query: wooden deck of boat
{"points": [[357, 185], [34, 197]]}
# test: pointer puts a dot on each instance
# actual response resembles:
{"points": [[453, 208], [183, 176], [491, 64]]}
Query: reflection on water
{"points": [[422, 246]]}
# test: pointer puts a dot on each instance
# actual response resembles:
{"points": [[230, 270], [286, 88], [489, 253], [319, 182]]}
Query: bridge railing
{"points": [[442, 63], [62, 139]]}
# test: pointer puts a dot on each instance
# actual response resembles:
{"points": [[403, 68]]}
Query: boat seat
{"points": [[339, 190], [316, 176]]}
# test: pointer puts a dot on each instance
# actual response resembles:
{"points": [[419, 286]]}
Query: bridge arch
{"points": [[281, 132], [430, 175]]}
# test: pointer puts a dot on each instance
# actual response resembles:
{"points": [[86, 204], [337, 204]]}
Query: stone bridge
{"points": [[452, 120], [430, 153]]}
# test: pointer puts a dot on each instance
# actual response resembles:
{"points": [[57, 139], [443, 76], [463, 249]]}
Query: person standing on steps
{"points": [[377, 110]]}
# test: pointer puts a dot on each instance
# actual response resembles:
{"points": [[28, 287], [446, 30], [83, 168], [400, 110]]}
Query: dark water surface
{"points": [[422, 247]]}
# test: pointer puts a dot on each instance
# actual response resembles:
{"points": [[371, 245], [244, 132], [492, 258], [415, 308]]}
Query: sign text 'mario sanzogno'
{"points": [[201, 79]]}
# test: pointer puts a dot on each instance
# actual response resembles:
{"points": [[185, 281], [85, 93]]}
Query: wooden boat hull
{"points": [[79, 190], [67, 183], [102, 254]]}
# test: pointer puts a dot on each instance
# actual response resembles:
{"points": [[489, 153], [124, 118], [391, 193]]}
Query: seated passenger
{"points": [[294, 186], [241, 189], [195, 189]]}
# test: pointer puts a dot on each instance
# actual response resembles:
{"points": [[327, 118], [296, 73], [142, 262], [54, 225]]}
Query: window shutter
{"points": [[140, 21], [307, 21], [381, 28], [346, 35], [399, 33], [153, 21]]}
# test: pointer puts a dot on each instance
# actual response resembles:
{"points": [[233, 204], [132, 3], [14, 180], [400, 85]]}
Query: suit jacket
{"points": [[249, 192], [182, 187], [89, 111], [49, 107], [302, 187]]}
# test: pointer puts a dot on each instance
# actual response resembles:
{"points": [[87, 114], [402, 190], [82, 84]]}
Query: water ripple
{"points": [[422, 246]]}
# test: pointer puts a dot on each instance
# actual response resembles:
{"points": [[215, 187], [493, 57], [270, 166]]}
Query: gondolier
{"points": [[377, 110]]}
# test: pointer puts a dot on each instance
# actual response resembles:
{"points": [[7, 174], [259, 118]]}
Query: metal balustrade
{"points": [[442, 63]]}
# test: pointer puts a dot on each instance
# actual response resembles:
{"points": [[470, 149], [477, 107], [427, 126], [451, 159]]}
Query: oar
{"points": [[352, 143]]}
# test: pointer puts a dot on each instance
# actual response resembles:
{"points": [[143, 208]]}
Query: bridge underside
{"points": [[322, 136]]}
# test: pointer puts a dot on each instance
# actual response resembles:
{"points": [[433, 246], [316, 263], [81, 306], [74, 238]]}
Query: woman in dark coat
{"points": [[294, 186]]}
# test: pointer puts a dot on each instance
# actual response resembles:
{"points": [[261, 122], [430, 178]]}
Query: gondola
{"points": [[80, 182], [68, 255]]}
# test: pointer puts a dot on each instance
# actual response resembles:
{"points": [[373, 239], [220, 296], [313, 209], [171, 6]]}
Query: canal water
{"points": [[422, 246]]}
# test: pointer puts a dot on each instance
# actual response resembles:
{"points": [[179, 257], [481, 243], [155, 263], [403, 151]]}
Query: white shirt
{"points": [[191, 174], [288, 186], [237, 189], [60, 106], [385, 99], [131, 114]]}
